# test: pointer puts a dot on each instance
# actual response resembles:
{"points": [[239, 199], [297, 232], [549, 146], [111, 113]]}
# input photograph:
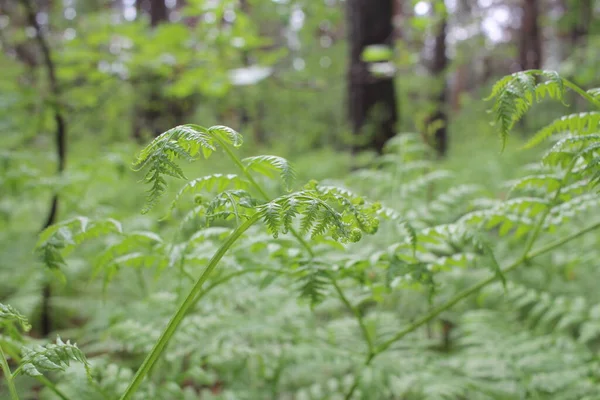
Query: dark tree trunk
{"points": [[371, 100], [148, 114], [581, 27], [530, 45], [60, 137], [439, 119], [158, 12]]}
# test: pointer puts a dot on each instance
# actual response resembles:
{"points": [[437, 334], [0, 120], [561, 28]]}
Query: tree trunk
{"points": [[148, 114], [371, 100], [158, 12], [60, 137], [438, 121], [581, 28], [530, 45]]}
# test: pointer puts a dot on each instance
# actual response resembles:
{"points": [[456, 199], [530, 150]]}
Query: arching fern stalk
{"points": [[313, 211]]}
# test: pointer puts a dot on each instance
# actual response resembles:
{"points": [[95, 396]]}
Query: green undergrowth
{"points": [[303, 277]]}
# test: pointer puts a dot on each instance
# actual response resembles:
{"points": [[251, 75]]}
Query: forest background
{"points": [[237, 276]]}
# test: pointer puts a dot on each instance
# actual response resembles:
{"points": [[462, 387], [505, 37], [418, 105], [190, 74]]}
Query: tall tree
{"points": [[60, 137], [371, 99], [530, 44], [158, 12], [154, 108], [438, 121], [584, 12]]}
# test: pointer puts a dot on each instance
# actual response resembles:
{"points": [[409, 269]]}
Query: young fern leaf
{"points": [[412, 235], [57, 240], [272, 217], [127, 252], [580, 124], [219, 182], [182, 142], [565, 150], [543, 182], [317, 216], [224, 133], [515, 94], [10, 316], [227, 204], [314, 281], [50, 358], [594, 93], [266, 164], [481, 245]]}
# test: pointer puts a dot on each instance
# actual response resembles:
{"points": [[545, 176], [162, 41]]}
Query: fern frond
{"points": [[226, 134], [515, 94], [572, 316], [408, 145], [571, 208], [8, 316], [218, 182], [182, 142], [133, 249], [210, 233], [543, 182], [424, 181], [228, 203], [57, 240], [570, 147], [265, 165], [580, 124], [317, 216], [49, 358], [314, 283], [594, 93]]}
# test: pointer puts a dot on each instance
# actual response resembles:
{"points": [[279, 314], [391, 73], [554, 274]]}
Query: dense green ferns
{"points": [[253, 242]]}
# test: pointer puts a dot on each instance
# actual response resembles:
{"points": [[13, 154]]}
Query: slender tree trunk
{"points": [[60, 138], [581, 28], [530, 45], [439, 119], [158, 12], [148, 112], [371, 100]]}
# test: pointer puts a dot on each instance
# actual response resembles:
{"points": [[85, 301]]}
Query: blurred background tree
{"points": [[264, 66]]}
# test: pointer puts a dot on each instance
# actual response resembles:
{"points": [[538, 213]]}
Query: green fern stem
{"points": [[582, 93], [187, 304], [538, 227], [357, 315], [8, 376], [261, 191], [467, 293], [354, 386], [240, 165]]}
